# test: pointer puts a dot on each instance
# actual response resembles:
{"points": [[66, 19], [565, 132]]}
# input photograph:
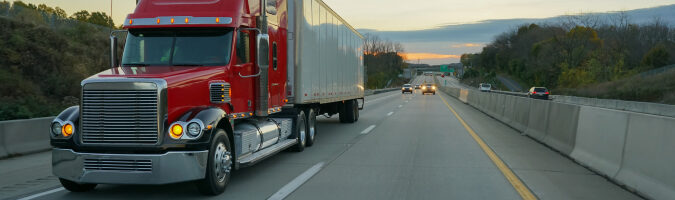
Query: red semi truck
{"points": [[205, 87]]}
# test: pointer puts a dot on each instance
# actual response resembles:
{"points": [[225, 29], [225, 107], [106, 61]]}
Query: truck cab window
{"points": [[178, 47], [243, 48]]}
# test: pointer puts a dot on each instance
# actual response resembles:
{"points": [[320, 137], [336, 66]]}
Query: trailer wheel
{"points": [[300, 132], [356, 110], [76, 187], [219, 166], [349, 113], [311, 126]]}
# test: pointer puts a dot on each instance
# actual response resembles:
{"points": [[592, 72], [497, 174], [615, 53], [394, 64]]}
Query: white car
{"points": [[485, 87]]}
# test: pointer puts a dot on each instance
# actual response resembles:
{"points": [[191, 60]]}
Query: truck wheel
{"points": [[350, 112], [311, 126], [300, 131], [342, 112], [76, 187], [219, 166], [356, 111]]}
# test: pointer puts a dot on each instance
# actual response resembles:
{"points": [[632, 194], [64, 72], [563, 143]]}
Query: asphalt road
{"points": [[404, 146]]}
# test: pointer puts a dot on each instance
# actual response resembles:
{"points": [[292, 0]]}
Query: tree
{"points": [[656, 57]]}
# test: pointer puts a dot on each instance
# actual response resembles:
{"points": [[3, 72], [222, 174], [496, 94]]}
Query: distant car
{"points": [[428, 88], [417, 86], [442, 75], [485, 87], [406, 88], [538, 93]]}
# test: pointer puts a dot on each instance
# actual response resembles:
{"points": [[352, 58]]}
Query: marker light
{"points": [[176, 131], [217, 20], [172, 20], [158, 20], [187, 20], [131, 21], [67, 130]]}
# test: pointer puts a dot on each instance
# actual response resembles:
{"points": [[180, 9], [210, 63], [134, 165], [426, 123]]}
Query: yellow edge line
{"points": [[518, 185]]}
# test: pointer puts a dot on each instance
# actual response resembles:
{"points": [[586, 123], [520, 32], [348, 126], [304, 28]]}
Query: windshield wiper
{"points": [[189, 65], [135, 64]]}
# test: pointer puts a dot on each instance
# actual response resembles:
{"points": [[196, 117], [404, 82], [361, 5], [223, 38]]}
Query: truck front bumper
{"points": [[151, 169]]}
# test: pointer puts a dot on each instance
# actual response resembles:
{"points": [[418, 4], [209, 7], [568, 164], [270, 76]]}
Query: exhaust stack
{"points": [[262, 41]]}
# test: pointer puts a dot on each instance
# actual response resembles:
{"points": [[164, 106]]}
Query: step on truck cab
{"points": [[205, 87]]}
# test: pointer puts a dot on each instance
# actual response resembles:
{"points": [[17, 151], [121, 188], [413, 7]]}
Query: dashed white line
{"points": [[297, 182], [390, 113], [43, 193], [367, 130]]}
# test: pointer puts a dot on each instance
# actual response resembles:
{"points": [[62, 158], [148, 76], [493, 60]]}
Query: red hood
{"points": [[172, 74]]}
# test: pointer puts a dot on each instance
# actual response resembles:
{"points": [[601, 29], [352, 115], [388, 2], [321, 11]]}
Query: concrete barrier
{"points": [[25, 136], [538, 119], [561, 130], [648, 163], [501, 109], [507, 112], [3, 149], [463, 95], [634, 149], [601, 134], [521, 113]]}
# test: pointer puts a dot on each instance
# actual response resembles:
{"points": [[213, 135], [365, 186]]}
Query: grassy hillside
{"points": [[580, 55], [43, 58]]}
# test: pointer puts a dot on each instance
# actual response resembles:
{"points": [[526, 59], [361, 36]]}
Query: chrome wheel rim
{"points": [[312, 126], [223, 161], [302, 131]]}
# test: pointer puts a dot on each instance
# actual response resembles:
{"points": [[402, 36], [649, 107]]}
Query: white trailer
{"points": [[325, 55]]}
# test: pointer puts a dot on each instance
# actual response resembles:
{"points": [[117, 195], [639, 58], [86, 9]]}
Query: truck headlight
{"points": [[194, 129], [56, 128]]}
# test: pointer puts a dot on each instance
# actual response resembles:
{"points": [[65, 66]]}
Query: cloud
{"points": [[426, 56], [466, 45]]}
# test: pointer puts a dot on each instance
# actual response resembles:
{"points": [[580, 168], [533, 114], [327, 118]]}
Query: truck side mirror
{"points": [[263, 50]]}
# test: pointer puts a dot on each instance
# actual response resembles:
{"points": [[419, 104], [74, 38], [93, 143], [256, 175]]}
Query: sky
{"points": [[389, 17]]}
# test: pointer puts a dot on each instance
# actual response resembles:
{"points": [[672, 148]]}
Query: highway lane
{"points": [[405, 146], [257, 182]]}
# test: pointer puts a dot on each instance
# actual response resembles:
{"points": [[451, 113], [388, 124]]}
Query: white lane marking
{"points": [[297, 182], [42, 193], [367, 130], [390, 113]]}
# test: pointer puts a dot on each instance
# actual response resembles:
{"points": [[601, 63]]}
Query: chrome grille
{"points": [[118, 165], [220, 92], [119, 117]]}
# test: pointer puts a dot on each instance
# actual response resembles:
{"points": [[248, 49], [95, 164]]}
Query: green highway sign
{"points": [[444, 68]]}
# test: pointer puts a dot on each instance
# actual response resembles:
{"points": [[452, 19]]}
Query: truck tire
{"points": [[356, 110], [311, 126], [349, 112], [76, 187], [219, 166], [300, 131]]}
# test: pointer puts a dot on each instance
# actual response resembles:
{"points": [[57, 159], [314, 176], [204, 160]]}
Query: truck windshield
{"points": [[178, 47]]}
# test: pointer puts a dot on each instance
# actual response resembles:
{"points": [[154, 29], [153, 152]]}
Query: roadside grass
{"points": [[659, 88]]}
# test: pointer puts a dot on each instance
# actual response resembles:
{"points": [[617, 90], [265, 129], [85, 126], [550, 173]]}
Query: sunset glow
{"points": [[425, 56], [466, 45]]}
